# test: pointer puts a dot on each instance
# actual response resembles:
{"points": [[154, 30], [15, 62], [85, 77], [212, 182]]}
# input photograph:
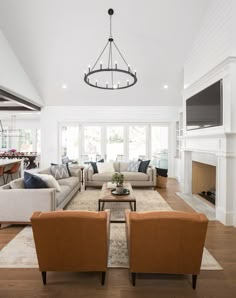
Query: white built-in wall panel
{"points": [[213, 42]]}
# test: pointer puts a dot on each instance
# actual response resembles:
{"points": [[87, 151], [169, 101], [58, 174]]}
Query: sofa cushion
{"points": [[59, 171], [135, 176], [133, 166], [123, 166], [60, 196], [72, 182], [17, 183], [33, 181], [102, 177], [116, 166], [50, 181], [106, 167], [45, 171], [143, 166], [64, 163], [94, 165]]}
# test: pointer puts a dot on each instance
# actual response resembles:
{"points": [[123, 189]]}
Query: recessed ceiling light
{"points": [[64, 86], [165, 86]]}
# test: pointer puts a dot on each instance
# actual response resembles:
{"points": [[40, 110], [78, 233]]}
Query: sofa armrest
{"points": [[151, 172], [88, 173], [17, 205]]}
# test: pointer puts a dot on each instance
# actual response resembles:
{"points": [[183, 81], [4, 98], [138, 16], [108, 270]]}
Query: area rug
{"points": [[20, 252], [198, 205]]}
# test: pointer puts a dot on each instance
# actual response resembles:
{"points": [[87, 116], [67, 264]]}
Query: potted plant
{"points": [[118, 179]]}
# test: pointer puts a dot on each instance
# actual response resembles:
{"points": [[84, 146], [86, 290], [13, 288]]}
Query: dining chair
{"points": [[13, 170], [2, 174]]}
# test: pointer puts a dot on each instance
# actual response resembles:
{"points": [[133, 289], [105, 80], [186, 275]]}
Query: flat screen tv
{"points": [[205, 109]]}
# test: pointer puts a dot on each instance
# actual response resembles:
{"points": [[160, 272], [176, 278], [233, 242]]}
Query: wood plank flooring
{"points": [[220, 241]]}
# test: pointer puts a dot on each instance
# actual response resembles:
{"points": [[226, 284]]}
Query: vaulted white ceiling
{"points": [[55, 40]]}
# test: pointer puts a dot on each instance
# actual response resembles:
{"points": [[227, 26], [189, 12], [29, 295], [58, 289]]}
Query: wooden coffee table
{"points": [[106, 196]]}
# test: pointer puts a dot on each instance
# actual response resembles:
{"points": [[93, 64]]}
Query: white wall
{"points": [[12, 75], [51, 117]]}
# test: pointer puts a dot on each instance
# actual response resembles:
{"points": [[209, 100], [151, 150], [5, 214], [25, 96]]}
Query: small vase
{"points": [[119, 189]]}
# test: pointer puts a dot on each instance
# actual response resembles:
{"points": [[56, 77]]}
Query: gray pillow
{"points": [[133, 166], [59, 172]]}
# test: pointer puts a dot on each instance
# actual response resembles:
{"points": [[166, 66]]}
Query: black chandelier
{"points": [[112, 76]]}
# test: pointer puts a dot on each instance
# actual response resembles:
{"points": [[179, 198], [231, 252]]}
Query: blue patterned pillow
{"points": [[133, 166], [33, 181]]}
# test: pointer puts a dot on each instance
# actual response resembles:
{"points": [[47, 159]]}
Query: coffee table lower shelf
{"points": [[101, 203]]}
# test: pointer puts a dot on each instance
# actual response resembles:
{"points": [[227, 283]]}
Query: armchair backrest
{"points": [[166, 241], [71, 240]]}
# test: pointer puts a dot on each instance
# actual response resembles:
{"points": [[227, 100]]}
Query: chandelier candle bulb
{"points": [[115, 65], [118, 85], [135, 72], [89, 68], [128, 68], [127, 82], [101, 65], [96, 82], [106, 84]]}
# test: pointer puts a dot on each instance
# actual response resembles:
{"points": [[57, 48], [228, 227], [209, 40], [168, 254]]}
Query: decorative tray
{"points": [[125, 192]]}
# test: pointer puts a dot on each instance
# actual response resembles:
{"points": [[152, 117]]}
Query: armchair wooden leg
{"points": [[103, 278], [133, 278], [44, 277], [194, 281]]}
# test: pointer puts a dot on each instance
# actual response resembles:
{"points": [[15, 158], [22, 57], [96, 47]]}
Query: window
{"points": [[159, 146], [115, 143], [70, 142], [92, 142], [137, 142]]}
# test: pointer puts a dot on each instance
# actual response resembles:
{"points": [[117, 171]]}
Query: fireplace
{"points": [[204, 180]]}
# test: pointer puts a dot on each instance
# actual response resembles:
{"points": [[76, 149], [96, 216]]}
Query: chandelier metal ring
{"points": [[111, 69], [86, 78]]}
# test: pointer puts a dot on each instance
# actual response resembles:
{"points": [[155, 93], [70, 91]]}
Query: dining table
{"points": [[29, 159]]}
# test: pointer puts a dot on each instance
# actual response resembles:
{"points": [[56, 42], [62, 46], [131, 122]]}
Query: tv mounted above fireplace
{"points": [[205, 109]]}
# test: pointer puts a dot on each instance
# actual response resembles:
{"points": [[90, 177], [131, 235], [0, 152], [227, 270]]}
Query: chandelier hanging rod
{"points": [[110, 69]]}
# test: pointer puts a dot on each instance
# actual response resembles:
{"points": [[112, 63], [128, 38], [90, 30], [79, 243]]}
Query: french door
{"points": [[91, 142]]}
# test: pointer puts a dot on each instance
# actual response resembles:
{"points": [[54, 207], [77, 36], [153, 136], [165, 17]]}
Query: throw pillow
{"points": [[133, 166], [67, 165], [162, 172], [33, 181], [94, 165], [59, 171], [106, 167], [50, 181], [17, 183], [143, 166]]}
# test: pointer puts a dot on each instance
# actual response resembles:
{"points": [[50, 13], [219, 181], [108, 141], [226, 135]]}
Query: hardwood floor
{"points": [[220, 241]]}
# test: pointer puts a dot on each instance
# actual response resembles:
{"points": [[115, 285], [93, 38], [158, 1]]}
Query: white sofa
{"points": [[137, 179], [17, 205]]}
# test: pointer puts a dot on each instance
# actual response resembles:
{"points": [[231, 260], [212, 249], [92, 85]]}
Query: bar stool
{"points": [[13, 170]]}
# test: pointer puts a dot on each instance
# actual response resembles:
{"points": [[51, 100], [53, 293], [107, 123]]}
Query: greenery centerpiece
{"points": [[118, 179]]}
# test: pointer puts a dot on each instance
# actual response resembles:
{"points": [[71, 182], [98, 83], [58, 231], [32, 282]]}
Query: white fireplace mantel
{"points": [[216, 142]]}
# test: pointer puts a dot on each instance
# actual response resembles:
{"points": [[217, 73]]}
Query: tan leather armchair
{"points": [[71, 241], [165, 242]]}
